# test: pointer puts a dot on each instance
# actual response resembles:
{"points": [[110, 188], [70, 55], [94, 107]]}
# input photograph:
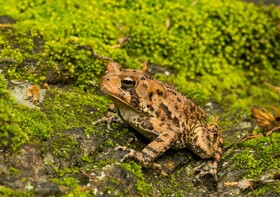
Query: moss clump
{"points": [[64, 61], [70, 147], [55, 52], [60, 171], [259, 155], [66, 181], [205, 36], [11, 133], [196, 39], [268, 189], [41, 130], [74, 109], [19, 124], [5, 191], [14, 171], [141, 184]]}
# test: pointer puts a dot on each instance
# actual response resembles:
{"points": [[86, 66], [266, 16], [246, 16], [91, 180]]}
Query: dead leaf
{"points": [[46, 86], [33, 92], [274, 88], [264, 118]]}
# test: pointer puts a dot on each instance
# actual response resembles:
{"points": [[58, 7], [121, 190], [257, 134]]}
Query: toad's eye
{"points": [[128, 83]]}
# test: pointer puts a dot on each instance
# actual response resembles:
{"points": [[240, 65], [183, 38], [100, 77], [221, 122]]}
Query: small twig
{"points": [[4, 59], [271, 131], [249, 183], [249, 136], [6, 26], [100, 56], [243, 139], [87, 174]]}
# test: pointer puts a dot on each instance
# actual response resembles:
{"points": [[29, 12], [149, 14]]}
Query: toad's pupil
{"points": [[128, 83]]}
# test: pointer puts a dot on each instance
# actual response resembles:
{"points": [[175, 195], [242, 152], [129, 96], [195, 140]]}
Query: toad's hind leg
{"points": [[154, 149], [206, 142]]}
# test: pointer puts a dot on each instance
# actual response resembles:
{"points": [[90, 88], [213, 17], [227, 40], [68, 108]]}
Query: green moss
{"points": [[195, 39], [87, 159], [141, 184], [74, 109], [110, 143], [102, 163], [259, 155], [5, 191], [77, 191], [247, 161], [169, 190], [35, 123], [60, 172], [11, 133], [73, 184], [220, 51], [66, 181], [20, 123], [267, 189], [14, 171], [64, 146]]}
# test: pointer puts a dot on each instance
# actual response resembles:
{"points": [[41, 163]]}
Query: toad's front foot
{"points": [[207, 167], [109, 119], [138, 156]]}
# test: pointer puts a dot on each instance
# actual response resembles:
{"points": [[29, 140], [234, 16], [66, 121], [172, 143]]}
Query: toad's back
{"points": [[160, 113]]}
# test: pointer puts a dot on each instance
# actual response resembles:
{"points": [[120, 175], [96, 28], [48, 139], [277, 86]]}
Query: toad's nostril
{"points": [[108, 79]]}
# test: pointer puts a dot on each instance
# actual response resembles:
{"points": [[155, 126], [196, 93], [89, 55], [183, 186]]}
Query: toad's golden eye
{"points": [[128, 83]]}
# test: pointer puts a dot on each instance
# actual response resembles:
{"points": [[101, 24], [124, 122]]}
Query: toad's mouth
{"points": [[121, 102]]}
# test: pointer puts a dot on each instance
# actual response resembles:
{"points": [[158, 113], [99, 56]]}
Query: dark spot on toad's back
{"points": [[176, 121], [150, 96], [159, 92], [166, 110]]}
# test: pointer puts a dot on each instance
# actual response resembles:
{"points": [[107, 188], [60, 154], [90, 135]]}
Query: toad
{"points": [[167, 118]]}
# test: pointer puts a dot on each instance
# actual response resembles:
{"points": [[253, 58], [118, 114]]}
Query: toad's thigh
{"points": [[205, 141]]}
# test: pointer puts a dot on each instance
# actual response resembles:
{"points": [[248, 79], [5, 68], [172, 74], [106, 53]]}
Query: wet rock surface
{"points": [[25, 170], [33, 168]]}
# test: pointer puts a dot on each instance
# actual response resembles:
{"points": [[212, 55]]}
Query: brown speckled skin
{"points": [[163, 115]]}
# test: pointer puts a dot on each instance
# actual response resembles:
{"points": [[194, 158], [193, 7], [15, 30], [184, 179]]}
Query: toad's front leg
{"points": [[111, 116], [154, 149]]}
